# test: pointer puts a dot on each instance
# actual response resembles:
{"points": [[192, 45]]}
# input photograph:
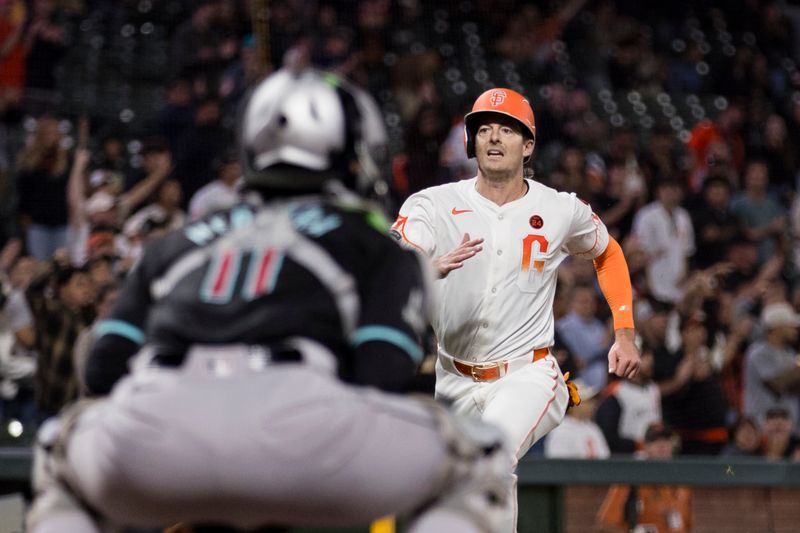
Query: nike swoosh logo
{"points": [[459, 211]]}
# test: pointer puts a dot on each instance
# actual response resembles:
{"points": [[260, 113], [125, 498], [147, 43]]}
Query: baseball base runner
{"points": [[497, 241]]}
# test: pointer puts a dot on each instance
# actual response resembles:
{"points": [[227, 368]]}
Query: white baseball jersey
{"points": [[639, 405], [500, 303], [669, 239], [576, 439]]}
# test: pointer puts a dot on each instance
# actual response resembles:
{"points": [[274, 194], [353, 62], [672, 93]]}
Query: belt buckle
{"points": [[481, 366]]}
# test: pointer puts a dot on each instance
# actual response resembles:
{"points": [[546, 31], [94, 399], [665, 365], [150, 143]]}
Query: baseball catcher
{"points": [[241, 379]]}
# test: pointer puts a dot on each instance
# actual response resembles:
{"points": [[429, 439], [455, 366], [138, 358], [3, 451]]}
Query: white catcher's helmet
{"points": [[299, 130]]}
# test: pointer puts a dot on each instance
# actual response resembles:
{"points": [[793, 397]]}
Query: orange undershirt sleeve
{"points": [[615, 282]]}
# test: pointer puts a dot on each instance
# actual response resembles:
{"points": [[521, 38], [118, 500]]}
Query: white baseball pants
{"points": [[525, 404]]}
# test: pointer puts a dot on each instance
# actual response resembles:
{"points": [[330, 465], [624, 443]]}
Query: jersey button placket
{"points": [[501, 230], [495, 274]]}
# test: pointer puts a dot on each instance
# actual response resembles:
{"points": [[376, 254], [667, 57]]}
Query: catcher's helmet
{"points": [[299, 130], [505, 102]]}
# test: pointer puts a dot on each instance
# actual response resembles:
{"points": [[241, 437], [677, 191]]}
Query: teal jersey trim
{"points": [[121, 328], [390, 335]]}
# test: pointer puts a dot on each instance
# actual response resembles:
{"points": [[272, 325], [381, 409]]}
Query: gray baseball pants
{"points": [[223, 440]]}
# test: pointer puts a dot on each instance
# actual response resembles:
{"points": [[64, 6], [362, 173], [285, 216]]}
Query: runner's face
{"points": [[500, 147]]}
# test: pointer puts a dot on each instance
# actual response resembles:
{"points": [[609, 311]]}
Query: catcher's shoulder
{"points": [[363, 214]]}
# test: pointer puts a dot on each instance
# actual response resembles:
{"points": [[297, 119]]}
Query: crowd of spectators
{"points": [[702, 196]]}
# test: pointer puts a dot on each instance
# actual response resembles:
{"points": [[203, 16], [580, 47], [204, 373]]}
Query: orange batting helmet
{"points": [[505, 102]]}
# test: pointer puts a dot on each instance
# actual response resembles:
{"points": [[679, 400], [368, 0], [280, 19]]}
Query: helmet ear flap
{"points": [[340, 161], [365, 150], [469, 141]]}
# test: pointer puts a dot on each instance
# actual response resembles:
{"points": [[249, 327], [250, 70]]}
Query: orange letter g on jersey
{"points": [[527, 251]]}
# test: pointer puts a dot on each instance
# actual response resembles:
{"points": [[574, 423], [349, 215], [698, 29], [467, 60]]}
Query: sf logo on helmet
{"points": [[497, 98]]}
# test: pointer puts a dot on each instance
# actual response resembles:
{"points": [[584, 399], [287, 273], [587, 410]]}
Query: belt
{"points": [[270, 353], [227, 359], [497, 369]]}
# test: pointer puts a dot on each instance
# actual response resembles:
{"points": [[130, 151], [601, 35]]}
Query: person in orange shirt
{"points": [[12, 53], [648, 508], [717, 147]]}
